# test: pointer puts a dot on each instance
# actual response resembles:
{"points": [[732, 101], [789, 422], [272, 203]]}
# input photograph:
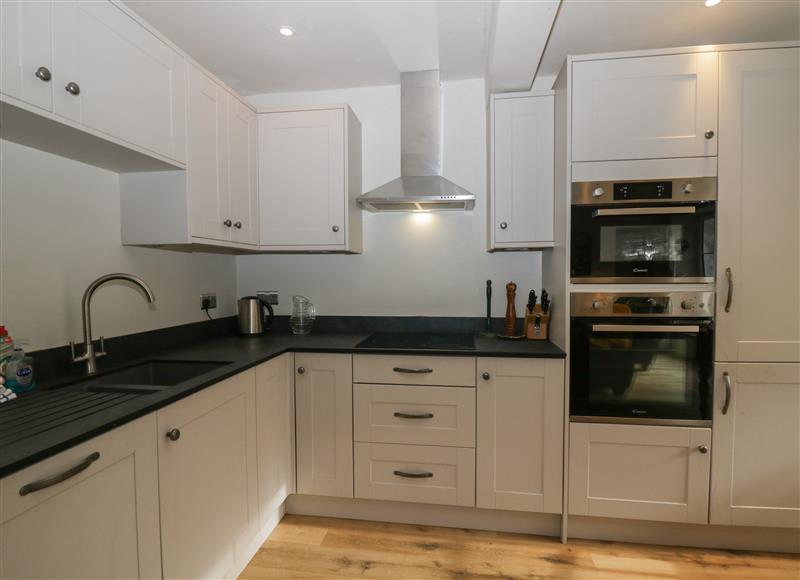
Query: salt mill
{"points": [[510, 326]]}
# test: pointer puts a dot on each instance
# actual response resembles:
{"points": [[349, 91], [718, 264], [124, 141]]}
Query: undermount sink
{"points": [[149, 377]]}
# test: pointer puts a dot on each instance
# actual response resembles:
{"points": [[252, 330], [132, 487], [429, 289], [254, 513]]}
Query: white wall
{"points": [[60, 229], [437, 268]]}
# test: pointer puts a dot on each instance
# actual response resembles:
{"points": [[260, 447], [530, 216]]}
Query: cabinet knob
{"points": [[227, 223], [503, 225], [486, 376], [43, 74], [238, 225], [301, 370], [174, 434], [709, 134], [703, 448], [335, 229], [73, 88]]}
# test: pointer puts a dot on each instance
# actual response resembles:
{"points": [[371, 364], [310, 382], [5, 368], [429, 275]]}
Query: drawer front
{"points": [[445, 475], [414, 370], [415, 415]]}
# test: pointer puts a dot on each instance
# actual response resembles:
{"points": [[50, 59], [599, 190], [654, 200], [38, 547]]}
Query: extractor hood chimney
{"points": [[420, 186]]}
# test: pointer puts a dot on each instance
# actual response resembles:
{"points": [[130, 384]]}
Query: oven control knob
{"points": [[597, 304], [687, 305], [687, 188], [598, 192]]}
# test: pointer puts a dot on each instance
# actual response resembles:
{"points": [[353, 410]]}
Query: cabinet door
{"points": [[26, 44], [274, 433], [301, 178], [125, 75], [207, 477], [640, 472], [645, 107], [520, 434], [758, 315], [102, 522], [755, 475], [522, 174], [242, 135], [206, 157], [324, 398]]}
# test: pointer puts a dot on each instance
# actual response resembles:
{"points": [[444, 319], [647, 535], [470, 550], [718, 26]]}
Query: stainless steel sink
{"points": [[148, 377]]}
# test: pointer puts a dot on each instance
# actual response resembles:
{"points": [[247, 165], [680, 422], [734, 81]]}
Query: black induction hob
{"points": [[419, 340]]}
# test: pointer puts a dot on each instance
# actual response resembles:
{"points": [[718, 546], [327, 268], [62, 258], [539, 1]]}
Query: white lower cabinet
{"points": [[207, 479], [274, 434], [324, 416], [755, 475], [416, 473], [101, 522], [520, 434], [641, 472]]}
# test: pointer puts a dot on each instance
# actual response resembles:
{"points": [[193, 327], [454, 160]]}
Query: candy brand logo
{"points": [[24, 372]]}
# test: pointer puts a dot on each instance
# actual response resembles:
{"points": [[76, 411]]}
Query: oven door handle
{"points": [[686, 328], [681, 210]]}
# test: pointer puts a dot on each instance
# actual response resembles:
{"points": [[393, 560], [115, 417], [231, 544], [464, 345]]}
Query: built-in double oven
{"points": [[658, 231]]}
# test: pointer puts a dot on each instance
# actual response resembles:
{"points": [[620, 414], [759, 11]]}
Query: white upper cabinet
{"points": [[758, 264], [522, 165], [309, 177], [755, 469], [645, 107], [26, 50], [113, 75], [242, 181]]}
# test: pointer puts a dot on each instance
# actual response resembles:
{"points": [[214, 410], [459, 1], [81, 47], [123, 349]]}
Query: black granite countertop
{"points": [[91, 414]]}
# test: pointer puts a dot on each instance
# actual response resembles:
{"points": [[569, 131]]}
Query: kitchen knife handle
{"points": [[727, 379], [412, 371], [729, 299], [413, 415]]}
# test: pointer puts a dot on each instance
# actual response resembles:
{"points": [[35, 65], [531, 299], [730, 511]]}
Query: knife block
{"points": [[534, 330]]}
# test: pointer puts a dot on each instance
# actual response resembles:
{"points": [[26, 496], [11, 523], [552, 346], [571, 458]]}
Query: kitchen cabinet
{"points": [[275, 434], [758, 254], [755, 470], [650, 107], [207, 479], [522, 161], [642, 472], [26, 50], [453, 371], [242, 181], [310, 176], [324, 415], [520, 420], [100, 522]]}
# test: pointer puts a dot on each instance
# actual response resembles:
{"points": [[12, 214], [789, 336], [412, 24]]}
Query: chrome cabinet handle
{"points": [[486, 376], [414, 415], [301, 370], [227, 223], [683, 210], [238, 225], [503, 225], [422, 475], [703, 449], [728, 390], [335, 229], [174, 434], [43, 74], [412, 371], [63, 476], [709, 134], [73, 88], [729, 299]]}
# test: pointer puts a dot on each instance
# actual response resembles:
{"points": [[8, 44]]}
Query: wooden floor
{"points": [[311, 547]]}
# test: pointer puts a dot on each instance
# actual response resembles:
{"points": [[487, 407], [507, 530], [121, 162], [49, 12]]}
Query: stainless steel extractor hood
{"points": [[420, 186]]}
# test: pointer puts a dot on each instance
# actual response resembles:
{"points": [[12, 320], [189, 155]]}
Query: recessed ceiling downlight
{"points": [[289, 31], [710, 3]]}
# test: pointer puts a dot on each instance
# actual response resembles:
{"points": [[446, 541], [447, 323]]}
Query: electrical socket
{"points": [[208, 301], [270, 296]]}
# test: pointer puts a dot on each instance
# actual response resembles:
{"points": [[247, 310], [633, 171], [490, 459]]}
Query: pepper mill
{"points": [[510, 325]]}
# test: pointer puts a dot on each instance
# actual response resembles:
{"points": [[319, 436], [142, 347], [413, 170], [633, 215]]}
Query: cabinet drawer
{"points": [[414, 414], [414, 370], [444, 475]]}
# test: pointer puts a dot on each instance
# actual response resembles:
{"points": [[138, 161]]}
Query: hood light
{"points": [[287, 31]]}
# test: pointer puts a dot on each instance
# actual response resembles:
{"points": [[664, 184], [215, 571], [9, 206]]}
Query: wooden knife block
{"points": [[532, 331]]}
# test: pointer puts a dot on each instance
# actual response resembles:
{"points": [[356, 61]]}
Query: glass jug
{"points": [[303, 315]]}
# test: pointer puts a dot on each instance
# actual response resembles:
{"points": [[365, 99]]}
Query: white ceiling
{"points": [[584, 27]]}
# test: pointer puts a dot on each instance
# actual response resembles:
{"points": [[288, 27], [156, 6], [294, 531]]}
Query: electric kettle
{"points": [[255, 316]]}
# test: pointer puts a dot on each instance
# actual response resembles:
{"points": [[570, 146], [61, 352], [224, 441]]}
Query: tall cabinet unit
{"points": [[522, 154], [310, 177]]}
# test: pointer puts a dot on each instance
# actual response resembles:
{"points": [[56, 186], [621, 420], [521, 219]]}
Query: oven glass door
{"points": [[673, 243], [641, 368]]}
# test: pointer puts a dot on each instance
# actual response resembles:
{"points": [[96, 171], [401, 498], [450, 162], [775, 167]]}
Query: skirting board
{"points": [[607, 529]]}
